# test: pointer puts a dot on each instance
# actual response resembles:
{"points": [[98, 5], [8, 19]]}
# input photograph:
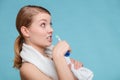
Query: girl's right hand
{"points": [[61, 48]]}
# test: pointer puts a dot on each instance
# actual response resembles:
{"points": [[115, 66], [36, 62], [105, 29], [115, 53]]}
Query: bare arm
{"points": [[29, 72], [64, 72]]}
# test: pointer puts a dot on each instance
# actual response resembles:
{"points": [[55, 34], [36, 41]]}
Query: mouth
{"points": [[49, 38]]}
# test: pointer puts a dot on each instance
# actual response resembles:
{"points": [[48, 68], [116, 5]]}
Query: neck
{"points": [[38, 48]]}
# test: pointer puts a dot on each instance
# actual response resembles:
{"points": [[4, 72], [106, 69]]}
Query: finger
{"points": [[81, 64], [78, 65], [67, 45], [69, 65], [72, 60]]}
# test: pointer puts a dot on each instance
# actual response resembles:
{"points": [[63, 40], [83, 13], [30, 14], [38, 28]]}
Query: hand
{"points": [[61, 48], [76, 63]]}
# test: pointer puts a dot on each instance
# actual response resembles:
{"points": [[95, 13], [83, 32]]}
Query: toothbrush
{"points": [[59, 39], [81, 73]]}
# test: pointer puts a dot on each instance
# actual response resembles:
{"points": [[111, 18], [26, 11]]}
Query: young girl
{"points": [[35, 34]]}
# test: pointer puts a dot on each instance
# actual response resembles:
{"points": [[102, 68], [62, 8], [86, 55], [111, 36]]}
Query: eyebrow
{"points": [[45, 21], [42, 20]]}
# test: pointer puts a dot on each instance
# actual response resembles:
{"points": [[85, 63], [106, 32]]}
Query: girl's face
{"points": [[40, 31]]}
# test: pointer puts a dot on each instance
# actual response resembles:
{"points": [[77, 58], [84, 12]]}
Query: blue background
{"points": [[91, 27]]}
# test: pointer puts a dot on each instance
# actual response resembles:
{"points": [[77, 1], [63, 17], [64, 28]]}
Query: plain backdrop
{"points": [[91, 27]]}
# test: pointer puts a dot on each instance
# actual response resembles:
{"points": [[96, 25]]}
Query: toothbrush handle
{"points": [[67, 53]]}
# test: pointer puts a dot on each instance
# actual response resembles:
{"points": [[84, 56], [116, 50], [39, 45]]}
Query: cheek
{"points": [[38, 34], [41, 33]]}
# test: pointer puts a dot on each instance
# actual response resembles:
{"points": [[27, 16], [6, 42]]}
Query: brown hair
{"points": [[24, 18]]}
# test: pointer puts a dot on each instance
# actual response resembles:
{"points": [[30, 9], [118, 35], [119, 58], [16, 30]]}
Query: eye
{"points": [[43, 25], [51, 23]]}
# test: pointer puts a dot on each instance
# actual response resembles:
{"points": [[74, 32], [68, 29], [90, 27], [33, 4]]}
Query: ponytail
{"points": [[17, 49]]}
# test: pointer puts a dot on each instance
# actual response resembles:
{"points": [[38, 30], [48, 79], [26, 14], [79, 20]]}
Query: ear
{"points": [[25, 31]]}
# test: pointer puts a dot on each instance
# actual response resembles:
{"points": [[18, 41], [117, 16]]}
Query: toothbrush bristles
{"points": [[58, 38]]}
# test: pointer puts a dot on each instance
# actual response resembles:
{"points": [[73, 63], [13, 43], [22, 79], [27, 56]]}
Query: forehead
{"points": [[41, 16]]}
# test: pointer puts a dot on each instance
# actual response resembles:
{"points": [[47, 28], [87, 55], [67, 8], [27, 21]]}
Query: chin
{"points": [[48, 44]]}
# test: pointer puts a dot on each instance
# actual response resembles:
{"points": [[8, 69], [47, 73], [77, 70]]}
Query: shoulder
{"points": [[27, 67], [29, 71]]}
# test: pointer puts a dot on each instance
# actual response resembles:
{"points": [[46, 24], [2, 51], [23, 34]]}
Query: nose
{"points": [[50, 30]]}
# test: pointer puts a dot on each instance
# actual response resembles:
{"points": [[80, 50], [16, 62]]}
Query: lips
{"points": [[49, 38]]}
